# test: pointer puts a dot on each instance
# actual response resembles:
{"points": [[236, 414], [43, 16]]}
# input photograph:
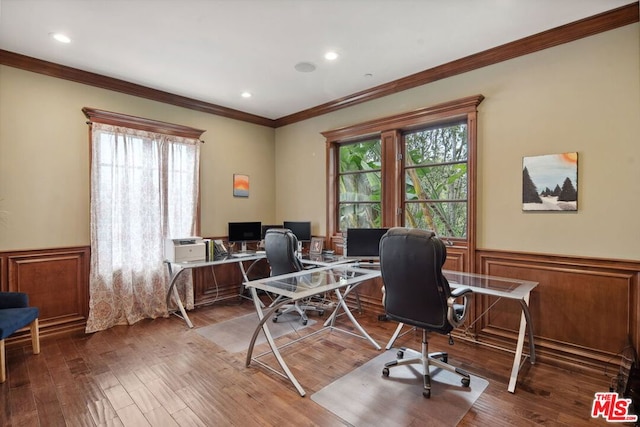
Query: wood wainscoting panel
{"points": [[57, 282], [583, 310], [224, 281]]}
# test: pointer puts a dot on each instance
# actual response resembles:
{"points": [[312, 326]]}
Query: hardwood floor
{"points": [[160, 373]]}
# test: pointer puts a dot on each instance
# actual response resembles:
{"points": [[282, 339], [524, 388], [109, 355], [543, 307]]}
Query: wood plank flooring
{"points": [[160, 373]]}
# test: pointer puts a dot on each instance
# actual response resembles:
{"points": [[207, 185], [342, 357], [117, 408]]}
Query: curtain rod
{"points": [[197, 139]]}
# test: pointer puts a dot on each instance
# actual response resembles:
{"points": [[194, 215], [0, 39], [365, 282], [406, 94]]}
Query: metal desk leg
{"points": [[394, 337], [342, 303], [176, 296], [246, 278], [525, 321], [262, 325]]}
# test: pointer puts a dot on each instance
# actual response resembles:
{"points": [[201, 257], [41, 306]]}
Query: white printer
{"points": [[185, 249]]}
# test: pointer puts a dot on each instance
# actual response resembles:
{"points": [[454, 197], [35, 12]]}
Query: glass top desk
{"points": [[300, 285], [499, 287], [177, 268]]}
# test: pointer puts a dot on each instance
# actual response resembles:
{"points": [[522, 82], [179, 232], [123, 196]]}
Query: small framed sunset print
{"points": [[240, 185], [550, 182]]}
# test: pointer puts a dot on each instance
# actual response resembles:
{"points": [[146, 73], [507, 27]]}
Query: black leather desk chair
{"points": [[280, 245], [417, 294]]}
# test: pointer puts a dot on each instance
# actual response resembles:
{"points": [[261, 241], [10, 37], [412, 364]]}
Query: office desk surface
{"points": [[306, 283], [491, 285], [178, 268], [299, 285]]}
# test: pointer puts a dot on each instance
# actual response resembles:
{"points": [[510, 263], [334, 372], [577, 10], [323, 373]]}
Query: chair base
{"points": [[427, 359], [301, 309]]}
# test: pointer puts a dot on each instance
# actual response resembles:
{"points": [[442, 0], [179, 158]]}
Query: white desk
{"points": [[500, 287], [300, 285], [177, 268]]}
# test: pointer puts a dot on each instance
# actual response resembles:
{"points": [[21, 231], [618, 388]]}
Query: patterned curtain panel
{"points": [[144, 188]]}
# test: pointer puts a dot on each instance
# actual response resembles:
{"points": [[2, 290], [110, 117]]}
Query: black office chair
{"points": [[280, 245], [417, 294]]}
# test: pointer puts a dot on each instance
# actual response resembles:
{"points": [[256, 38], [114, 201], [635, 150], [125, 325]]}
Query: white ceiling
{"points": [[212, 50]]}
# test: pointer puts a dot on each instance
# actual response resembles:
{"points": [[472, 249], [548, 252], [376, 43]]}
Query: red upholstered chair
{"points": [[16, 314]]}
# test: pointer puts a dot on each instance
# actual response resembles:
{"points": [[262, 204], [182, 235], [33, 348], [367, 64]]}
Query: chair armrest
{"points": [[13, 300], [458, 292], [454, 316]]}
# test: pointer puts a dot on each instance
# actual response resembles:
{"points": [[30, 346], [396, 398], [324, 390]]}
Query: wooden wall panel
{"points": [[584, 310], [56, 281], [223, 281]]}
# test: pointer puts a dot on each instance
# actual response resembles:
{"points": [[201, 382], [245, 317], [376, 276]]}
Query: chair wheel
{"points": [[400, 354], [426, 393], [445, 358], [304, 322], [321, 313], [274, 320], [465, 382], [385, 372]]}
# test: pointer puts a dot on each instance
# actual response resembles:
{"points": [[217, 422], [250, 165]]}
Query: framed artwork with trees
{"points": [[550, 182]]}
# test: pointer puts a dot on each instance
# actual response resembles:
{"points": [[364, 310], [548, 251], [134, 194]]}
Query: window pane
{"points": [[436, 179], [446, 219], [437, 145], [360, 187], [360, 156], [444, 182], [359, 215]]}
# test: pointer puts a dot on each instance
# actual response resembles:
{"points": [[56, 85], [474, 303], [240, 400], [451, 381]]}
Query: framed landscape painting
{"points": [[240, 185], [550, 182]]}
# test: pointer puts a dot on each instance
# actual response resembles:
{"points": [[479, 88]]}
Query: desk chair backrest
{"points": [[416, 292], [280, 245]]}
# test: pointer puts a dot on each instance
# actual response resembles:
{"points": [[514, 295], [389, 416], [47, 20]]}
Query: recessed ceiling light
{"points": [[305, 67], [246, 94], [60, 37], [368, 75], [330, 56]]}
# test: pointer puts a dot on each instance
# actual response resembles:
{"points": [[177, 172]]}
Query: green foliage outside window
{"points": [[360, 185], [436, 181]]}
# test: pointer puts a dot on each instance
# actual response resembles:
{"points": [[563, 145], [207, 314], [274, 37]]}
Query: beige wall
{"points": [[44, 160], [582, 96]]}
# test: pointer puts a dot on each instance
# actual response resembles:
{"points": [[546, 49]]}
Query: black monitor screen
{"points": [[302, 229], [244, 231], [266, 227], [364, 242]]}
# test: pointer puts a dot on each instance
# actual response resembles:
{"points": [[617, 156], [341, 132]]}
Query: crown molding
{"points": [[606, 21]]}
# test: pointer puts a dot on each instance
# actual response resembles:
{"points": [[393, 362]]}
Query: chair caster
{"points": [[400, 354], [304, 322], [385, 372], [427, 393], [465, 382], [321, 313], [274, 320]]}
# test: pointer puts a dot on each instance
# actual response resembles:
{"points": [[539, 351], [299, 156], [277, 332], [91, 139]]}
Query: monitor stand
{"points": [[244, 246]]}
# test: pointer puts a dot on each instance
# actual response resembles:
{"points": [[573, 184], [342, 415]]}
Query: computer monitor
{"points": [[244, 232], [364, 242], [266, 227], [302, 229]]}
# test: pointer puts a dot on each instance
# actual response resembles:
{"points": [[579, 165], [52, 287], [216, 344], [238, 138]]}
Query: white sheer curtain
{"points": [[144, 188]]}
